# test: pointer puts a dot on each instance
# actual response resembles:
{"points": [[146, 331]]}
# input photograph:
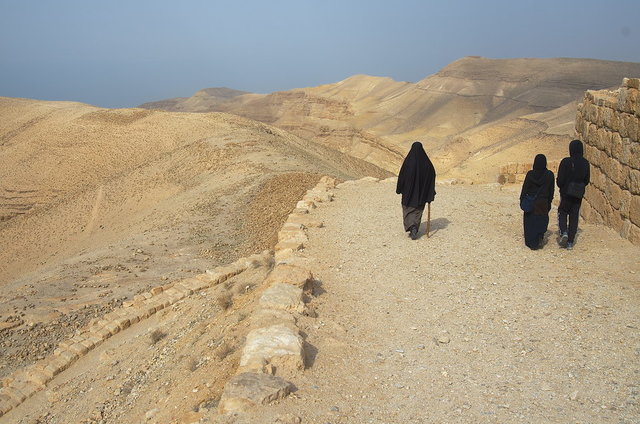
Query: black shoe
{"points": [[414, 233]]}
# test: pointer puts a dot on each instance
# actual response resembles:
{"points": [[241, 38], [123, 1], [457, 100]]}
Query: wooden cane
{"points": [[428, 219]]}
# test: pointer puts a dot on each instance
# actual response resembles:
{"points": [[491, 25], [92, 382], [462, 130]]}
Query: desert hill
{"points": [[455, 112], [98, 204]]}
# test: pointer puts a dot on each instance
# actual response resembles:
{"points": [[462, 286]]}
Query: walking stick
{"points": [[428, 219]]}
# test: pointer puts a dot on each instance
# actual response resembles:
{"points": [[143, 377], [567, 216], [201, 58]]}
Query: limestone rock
{"points": [[291, 274], [305, 220], [249, 389], [270, 317], [283, 296], [277, 346]]}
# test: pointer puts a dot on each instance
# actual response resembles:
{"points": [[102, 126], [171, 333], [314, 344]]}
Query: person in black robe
{"points": [[575, 169], [416, 183], [539, 183]]}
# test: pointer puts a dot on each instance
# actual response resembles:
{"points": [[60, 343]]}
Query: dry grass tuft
{"points": [[225, 301], [224, 350], [157, 335]]}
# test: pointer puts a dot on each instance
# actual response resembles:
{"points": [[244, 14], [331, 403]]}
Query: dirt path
{"points": [[469, 325]]}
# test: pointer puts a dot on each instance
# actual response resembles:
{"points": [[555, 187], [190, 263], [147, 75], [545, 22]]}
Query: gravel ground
{"points": [[468, 325]]}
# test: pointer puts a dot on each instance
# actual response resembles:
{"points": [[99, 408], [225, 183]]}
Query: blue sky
{"points": [[122, 53]]}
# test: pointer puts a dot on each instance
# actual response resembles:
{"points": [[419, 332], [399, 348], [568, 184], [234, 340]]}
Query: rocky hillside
{"points": [[97, 205], [475, 109]]}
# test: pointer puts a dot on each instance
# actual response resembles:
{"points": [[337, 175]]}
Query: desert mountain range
{"points": [[472, 116], [98, 205]]}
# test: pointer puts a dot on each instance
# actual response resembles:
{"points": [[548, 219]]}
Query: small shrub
{"points": [[157, 335], [225, 301], [223, 351]]}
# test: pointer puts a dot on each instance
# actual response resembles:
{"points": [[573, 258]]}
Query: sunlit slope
{"points": [[376, 119], [76, 177]]}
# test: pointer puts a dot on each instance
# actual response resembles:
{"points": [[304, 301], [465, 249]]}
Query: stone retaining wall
{"points": [[24, 383], [273, 353], [608, 123]]}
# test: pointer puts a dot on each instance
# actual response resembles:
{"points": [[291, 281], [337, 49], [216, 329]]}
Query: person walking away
{"points": [[573, 177], [539, 184], [416, 183]]}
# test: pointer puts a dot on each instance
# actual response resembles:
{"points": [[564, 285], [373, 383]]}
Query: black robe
{"points": [[417, 178], [539, 181]]}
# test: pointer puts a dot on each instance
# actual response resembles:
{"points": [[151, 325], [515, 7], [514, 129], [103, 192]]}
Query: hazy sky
{"points": [[116, 53]]}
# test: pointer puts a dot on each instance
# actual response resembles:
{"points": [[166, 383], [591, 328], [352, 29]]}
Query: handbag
{"points": [[527, 201], [575, 189]]}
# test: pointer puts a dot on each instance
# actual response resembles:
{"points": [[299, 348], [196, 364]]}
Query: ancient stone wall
{"points": [[515, 172], [608, 122]]}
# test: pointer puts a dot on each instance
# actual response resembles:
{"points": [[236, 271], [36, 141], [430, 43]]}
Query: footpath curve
{"points": [[465, 326]]}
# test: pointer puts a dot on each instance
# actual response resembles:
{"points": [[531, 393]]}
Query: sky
{"points": [[119, 53]]}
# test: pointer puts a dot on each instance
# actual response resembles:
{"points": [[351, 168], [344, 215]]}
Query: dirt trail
{"points": [[467, 326]]}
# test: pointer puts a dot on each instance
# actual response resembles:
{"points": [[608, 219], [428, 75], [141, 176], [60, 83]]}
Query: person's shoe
{"points": [[414, 233], [569, 246], [564, 239]]}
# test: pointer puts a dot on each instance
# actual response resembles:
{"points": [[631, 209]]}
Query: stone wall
{"points": [[515, 172], [608, 122]]}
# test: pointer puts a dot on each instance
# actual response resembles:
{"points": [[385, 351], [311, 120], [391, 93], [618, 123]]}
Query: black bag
{"points": [[575, 189]]}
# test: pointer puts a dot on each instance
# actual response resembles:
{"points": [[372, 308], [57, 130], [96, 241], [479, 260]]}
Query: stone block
{"points": [[277, 346], [123, 323], [634, 182], [305, 220], [156, 290], [291, 274], [390, 180], [292, 235], [596, 199], [269, 317], [634, 210], [614, 193], [39, 377], [79, 349], [27, 388], [306, 204], [624, 101], [632, 153], [283, 296], [616, 147], [328, 182], [293, 245], [6, 404], [283, 255], [634, 234], [113, 328], [631, 83], [14, 394], [247, 390]]}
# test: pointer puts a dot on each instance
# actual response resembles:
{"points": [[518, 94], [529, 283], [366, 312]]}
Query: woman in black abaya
{"points": [[539, 182], [416, 183]]}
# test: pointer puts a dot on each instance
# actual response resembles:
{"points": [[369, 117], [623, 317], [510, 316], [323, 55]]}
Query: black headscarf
{"points": [[417, 178], [539, 166]]}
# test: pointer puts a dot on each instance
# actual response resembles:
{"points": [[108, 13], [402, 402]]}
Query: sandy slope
{"points": [[99, 204], [467, 326]]}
